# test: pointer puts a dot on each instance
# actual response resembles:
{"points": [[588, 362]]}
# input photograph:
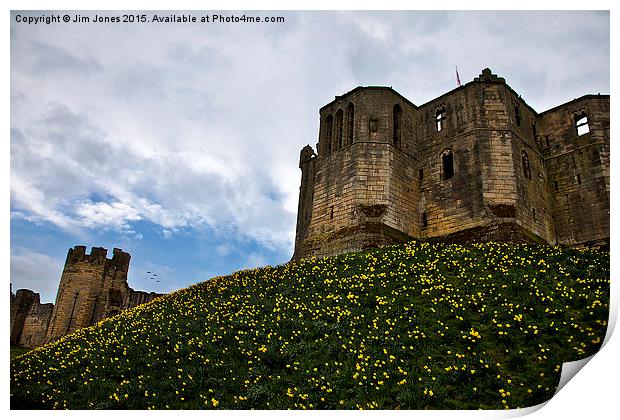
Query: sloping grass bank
{"points": [[411, 326]]}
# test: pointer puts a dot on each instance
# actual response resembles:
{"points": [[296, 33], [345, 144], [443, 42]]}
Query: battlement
{"points": [[78, 254], [120, 259], [97, 256]]}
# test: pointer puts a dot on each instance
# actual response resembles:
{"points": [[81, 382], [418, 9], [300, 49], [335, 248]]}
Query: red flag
{"points": [[458, 79]]}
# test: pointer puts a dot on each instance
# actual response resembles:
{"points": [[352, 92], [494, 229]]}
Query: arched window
{"points": [[350, 116], [440, 118], [339, 136], [525, 161], [447, 164], [329, 126], [397, 122], [581, 123], [517, 115]]}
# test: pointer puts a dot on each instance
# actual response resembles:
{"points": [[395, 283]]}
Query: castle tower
{"points": [[92, 287], [475, 164], [363, 174]]}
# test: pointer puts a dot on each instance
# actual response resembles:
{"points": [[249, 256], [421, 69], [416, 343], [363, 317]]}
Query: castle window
{"points": [[339, 136], [350, 115], [581, 124], [424, 220], [329, 126], [331, 212], [578, 178], [397, 116], [525, 161], [534, 214], [440, 117], [421, 174], [447, 165], [555, 185], [517, 115], [534, 130]]}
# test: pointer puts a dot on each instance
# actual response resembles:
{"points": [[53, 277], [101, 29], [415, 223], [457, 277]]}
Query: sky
{"points": [[179, 143]]}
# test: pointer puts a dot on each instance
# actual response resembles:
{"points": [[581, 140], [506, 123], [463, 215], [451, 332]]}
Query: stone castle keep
{"points": [[477, 163], [92, 288]]}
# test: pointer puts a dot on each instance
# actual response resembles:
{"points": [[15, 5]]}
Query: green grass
{"points": [[413, 326], [17, 351]]}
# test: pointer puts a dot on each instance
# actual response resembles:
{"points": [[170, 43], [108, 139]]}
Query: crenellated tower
{"points": [[92, 287]]}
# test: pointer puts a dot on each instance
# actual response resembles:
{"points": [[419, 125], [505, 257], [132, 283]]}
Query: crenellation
{"points": [[477, 163]]}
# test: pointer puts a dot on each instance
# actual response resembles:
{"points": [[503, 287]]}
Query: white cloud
{"points": [[37, 272], [201, 126], [255, 260], [103, 214]]}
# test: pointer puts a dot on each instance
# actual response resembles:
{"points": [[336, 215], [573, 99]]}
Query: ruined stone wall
{"points": [[578, 170], [36, 324], [20, 305], [513, 174], [137, 297]]}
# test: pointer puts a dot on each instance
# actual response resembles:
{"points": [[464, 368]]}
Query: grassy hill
{"points": [[411, 326]]}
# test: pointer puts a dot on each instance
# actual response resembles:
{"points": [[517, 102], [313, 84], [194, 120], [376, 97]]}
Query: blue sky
{"points": [[179, 143]]}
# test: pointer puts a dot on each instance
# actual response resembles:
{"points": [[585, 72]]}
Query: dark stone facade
{"points": [[476, 163], [92, 288]]}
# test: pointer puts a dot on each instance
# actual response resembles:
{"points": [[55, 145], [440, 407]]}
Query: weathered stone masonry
{"points": [[476, 163], [92, 288], [29, 318]]}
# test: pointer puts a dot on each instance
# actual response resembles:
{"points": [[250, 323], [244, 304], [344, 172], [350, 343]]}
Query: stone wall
{"points": [[20, 305], [472, 164], [36, 324], [578, 168], [456, 203]]}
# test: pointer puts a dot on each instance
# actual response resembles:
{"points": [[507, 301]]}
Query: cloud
{"points": [[116, 215], [62, 160], [200, 127], [37, 272], [255, 260]]}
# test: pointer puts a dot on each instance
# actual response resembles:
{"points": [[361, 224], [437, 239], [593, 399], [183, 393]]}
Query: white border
{"points": [[592, 394]]}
